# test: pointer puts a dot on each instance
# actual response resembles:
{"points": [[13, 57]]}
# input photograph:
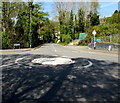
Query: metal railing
{"points": [[108, 39]]}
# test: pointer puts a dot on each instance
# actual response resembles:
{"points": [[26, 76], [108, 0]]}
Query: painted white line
{"points": [[16, 61], [89, 65], [6, 65], [86, 66], [53, 61], [92, 52], [64, 56]]}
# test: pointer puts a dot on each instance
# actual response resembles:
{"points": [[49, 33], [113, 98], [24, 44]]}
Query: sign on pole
{"points": [[94, 32]]}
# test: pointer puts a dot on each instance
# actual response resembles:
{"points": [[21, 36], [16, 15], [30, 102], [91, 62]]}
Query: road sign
{"points": [[94, 32], [82, 36], [16, 45]]}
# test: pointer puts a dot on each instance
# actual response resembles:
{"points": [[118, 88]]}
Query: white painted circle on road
{"points": [[53, 61]]}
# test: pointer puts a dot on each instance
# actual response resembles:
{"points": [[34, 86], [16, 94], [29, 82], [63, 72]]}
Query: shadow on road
{"points": [[25, 82]]}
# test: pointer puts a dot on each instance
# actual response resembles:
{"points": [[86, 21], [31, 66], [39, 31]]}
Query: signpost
{"points": [[16, 45], [94, 33]]}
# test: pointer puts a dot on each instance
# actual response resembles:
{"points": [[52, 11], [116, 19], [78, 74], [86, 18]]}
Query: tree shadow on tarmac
{"points": [[26, 82]]}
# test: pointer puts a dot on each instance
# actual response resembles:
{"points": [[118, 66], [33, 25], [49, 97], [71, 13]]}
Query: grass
{"points": [[62, 43]]}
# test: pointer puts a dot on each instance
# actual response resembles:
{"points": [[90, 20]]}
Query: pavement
{"points": [[15, 50], [93, 76], [18, 50], [86, 48]]}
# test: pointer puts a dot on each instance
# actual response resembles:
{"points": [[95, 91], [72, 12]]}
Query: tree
{"points": [[62, 9], [87, 22], [94, 6], [46, 32], [54, 28], [7, 24], [116, 11], [70, 30], [75, 25], [61, 21], [22, 26], [114, 18], [21, 21], [81, 21], [94, 19]]}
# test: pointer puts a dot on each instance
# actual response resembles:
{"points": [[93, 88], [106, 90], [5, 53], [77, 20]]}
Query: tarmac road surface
{"points": [[91, 77]]}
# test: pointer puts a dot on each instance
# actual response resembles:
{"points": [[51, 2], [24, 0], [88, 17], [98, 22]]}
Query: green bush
{"points": [[65, 38], [6, 41], [56, 39], [85, 42], [76, 36]]}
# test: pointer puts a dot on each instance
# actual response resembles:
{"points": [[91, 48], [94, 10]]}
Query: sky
{"points": [[106, 9]]}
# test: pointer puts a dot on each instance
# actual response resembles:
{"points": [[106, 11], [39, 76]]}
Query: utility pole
{"points": [[94, 33]]}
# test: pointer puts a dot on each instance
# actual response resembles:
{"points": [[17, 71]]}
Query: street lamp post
{"points": [[94, 33]]}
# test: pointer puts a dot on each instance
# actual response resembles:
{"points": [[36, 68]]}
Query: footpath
{"points": [[15, 50], [86, 48], [18, 50]]}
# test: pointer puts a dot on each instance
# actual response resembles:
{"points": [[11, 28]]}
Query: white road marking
{"points": [[89, 65], [16, 61], [86, 66], [71, 77], [64, 56], [53, 61], [6, 65], [92, 52]]}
